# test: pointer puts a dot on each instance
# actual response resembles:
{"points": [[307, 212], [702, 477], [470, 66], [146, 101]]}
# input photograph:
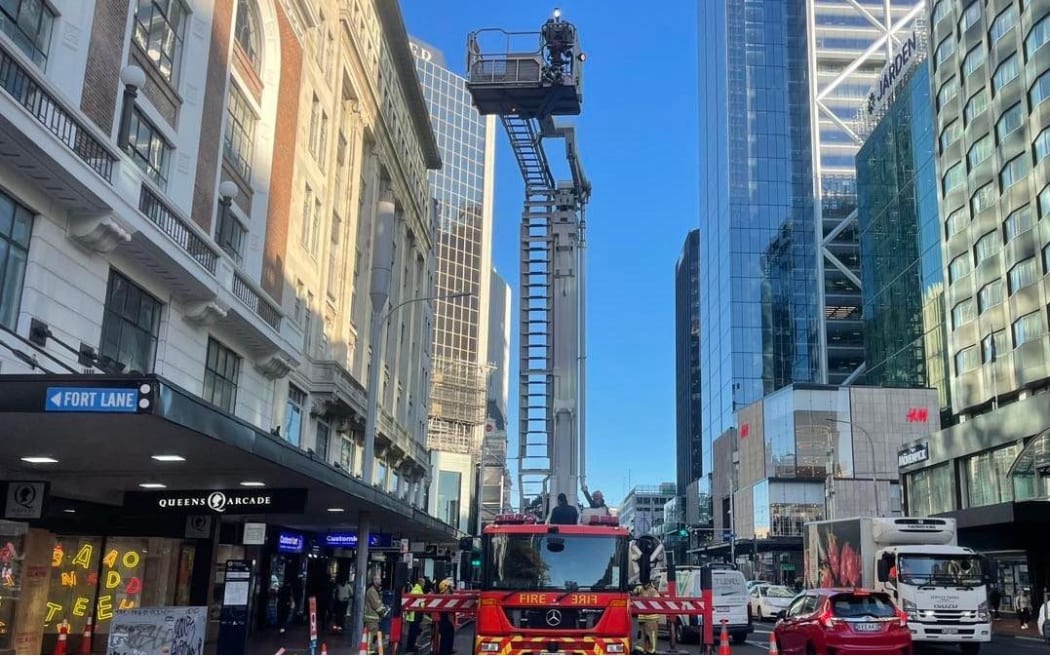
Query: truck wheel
{"points": [[679, 634], [739, 638], [970, 647]]}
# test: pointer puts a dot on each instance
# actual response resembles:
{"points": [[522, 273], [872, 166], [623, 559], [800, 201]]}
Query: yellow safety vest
{"points": [[416, 590]]}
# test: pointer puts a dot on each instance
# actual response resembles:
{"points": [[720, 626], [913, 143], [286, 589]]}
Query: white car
{"points": [[768, 600]]}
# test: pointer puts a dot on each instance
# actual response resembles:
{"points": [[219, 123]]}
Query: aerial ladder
{"points": [[527, 88]]}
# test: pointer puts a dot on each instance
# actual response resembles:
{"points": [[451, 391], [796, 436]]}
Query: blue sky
{"points": [[638, 144]]}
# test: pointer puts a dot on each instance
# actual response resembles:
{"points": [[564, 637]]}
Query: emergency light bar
{"points": [[515, 519], [604, 520]]}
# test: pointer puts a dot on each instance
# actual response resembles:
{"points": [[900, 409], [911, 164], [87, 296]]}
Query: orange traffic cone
{"points": [[63, 634], [324, 649], [723, 647], [85, 641], [364, 643], [773, 643]]}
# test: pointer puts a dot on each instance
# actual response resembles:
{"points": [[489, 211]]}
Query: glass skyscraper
{"points": [[781, 82], [900, 238], [687, 364], [463, 190]]}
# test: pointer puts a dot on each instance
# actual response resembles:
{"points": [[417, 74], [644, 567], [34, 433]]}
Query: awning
{"points": [[1034, 459], [108, 451]]}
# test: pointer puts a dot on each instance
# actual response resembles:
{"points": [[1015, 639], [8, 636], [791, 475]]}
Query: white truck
{"points": [[917, 561]]}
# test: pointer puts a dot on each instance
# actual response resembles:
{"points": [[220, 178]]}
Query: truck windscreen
{"points": [[555, 562], [926, 569]]}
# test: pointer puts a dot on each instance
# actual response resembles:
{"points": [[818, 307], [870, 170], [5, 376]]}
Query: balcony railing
{"points": [[267, 311], [174, 226], [17, 81]]}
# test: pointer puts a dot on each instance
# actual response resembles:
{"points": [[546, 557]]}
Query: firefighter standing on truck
{"points": [[649, 623]]}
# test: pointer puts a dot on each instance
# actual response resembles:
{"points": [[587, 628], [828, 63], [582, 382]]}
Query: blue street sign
{"points": [[93, 399], [727, 535]]}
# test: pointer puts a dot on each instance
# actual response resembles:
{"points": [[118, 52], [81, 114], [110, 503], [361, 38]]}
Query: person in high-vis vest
{"points": [[649, 623], [414, 619]]}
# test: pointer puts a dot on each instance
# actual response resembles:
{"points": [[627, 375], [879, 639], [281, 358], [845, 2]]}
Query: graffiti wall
{"points": [[170, 630]]}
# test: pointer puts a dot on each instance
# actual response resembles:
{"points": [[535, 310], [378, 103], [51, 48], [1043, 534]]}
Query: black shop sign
{"points": [[233, 502]]}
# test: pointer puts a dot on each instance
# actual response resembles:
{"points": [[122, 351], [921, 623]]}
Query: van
{"points": [[731, 601]]}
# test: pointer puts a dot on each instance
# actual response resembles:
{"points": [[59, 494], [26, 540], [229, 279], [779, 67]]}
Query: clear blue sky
{"points": [[638, 144]]}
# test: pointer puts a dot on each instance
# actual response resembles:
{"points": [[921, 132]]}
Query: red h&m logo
{"points": [[745, 430], [918, 415]]}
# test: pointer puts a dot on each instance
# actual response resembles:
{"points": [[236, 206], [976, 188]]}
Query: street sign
{"points": [[728, 535], [404, 545], [98, 399]]}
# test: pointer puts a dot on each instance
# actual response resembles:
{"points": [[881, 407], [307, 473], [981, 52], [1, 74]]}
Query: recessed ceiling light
{"points": [[171, 457], [153, 486], [69, 510], [335, 510], [39, 460], [252, 484]]}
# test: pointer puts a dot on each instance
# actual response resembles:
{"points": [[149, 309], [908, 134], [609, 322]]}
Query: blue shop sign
{"points": [[349, 540]]}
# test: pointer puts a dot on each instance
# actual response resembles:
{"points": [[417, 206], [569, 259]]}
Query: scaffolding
{"points": [[458, 392]]}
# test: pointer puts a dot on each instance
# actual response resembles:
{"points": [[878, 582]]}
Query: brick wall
{"points": [[283, 163], [102, 75], [211, 127]]}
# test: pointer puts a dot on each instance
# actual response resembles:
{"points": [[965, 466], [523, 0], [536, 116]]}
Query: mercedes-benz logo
{"points": [[217, 501], [553, 617]]}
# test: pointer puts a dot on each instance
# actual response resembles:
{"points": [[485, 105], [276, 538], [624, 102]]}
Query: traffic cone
{"points": [[379, 643], [324, 649], [85, 641], [281, 651], [773, 643], [723, 647], [63, 634], [364, 643]]}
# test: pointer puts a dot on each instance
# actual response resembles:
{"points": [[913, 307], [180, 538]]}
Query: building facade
{"points": [[188, 193], [905, 333], [991, 80], [811, 452], [780, 83], [687, 363], [495, 475], [463, 190], [642, 510]]}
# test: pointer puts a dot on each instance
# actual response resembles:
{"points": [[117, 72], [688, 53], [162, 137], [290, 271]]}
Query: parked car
{"points": [[768, 600], [751, 584], [842, 621]]}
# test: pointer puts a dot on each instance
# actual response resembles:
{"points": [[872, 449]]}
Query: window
{"points": [[448, 497], [315, 227], [940, 10], [971, 15], [983, 199], [159, 28], [240, 132], [987, 480], [1014, 171], [945, 50], [322, 140], [990, 295], [1040, 91], [221, 372], [1042, 145], [974, 59], [988, 245], [1038, 35], [16, 226], [334, 287], [1002, 24], [931, 491], [148, 149], [980, 151], [1019, 222], [28, 23], [130, 323], [959, 267], [1009, 121], [305, 223], [950, 134], [976, 105], [962, 313], [346, 453], [229, 233], [954, 177], [1044, 202], [1023, 274], [293, 415], [966, 360], [1028, 328], [949, 90], [1006, 73], [994, 345], [321, 440], [246, 31], [315, 126], [957, 222]]}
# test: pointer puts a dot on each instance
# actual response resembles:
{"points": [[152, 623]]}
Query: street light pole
{"points": [[874, 464], [382, 267]]}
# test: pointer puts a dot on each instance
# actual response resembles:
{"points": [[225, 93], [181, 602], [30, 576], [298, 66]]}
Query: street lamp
{"points": [[874, 464], [382, 269], [133, 78]]}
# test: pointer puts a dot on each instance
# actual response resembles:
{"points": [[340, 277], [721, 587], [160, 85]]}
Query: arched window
{"points": [[246, 31]]}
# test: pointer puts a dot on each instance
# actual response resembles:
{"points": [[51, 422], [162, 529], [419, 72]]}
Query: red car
{"points": [[842, 621]]}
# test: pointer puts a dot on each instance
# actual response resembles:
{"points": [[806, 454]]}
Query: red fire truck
{"points": [[556, 588]]}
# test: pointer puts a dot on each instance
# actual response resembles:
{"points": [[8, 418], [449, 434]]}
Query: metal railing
{"points": [[19, 83], [160, 213], [267, 311]]}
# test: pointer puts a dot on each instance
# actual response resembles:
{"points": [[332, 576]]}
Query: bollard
{"points": [[723, 648]]}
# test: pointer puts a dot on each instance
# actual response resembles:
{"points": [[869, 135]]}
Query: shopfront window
{"points": [[12, 580], [986, 476], [930, 491]]}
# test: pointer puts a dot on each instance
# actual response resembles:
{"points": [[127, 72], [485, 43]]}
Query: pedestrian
{"points": [[285, 606], [374, 609], [343, 592], [1023, 606], [414, 619], [1042, 621], [563, 513], [995, 599], [446, 628]]}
